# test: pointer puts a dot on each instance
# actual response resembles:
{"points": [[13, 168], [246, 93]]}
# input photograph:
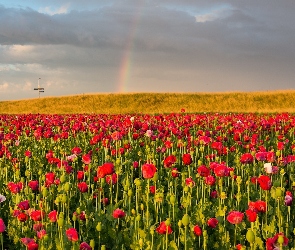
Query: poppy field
{"points": [[164, 181]]}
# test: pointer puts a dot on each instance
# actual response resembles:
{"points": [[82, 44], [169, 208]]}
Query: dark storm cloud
{"points": [[173, 45]]}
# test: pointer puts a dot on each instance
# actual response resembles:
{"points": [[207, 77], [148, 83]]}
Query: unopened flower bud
{"points": [[98, 227], [185, 220], [172, 199], [92, 243], [168, 222], [250, 236], [130, 193], [281, 239]]}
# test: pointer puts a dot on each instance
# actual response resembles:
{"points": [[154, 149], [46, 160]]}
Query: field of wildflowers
{"points": [[166, 181]]}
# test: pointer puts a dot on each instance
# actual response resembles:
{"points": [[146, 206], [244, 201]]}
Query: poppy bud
{"points": [[179, 223], [279, 192], [98, 227], [138, 217], [168, 222], [137, 182], [92, 243], [57, 200], [250, 236], [185, 220], [156, 177], [172, 199], [185, 189], [152, 230], [130, 193], [60, 222], [141, 206], [67, 186], [44, 192], [63, 198], [281, 239], [63, 178], [140, 242], [103, 247], [27, 173]]}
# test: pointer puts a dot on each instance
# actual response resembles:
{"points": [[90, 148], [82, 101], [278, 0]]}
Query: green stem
{"points": [[185, 229]]}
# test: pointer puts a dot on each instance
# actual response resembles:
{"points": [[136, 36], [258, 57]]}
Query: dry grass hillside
{"points": [[261, 102]]}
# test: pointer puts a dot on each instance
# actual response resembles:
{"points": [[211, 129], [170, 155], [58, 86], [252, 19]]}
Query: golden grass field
{"points": [[153, 103]]}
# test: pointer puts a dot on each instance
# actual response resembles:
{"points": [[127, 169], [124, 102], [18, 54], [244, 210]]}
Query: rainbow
{"points": [[126, 61]]}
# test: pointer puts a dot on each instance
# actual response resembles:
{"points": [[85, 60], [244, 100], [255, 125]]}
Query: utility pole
{"points": [[39, 89]]}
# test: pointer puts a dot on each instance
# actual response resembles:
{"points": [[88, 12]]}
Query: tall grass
{"points": [[262, 102]]}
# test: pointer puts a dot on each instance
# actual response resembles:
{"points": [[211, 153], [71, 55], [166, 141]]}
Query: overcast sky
{"points": [[98, 46]]}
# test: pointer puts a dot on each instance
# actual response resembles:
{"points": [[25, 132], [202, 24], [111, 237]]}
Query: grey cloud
{"points": [[250, 47]]}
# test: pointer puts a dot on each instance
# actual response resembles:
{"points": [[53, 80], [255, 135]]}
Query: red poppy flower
{"points": [[111, 179], [169, 161], [189, 182], [118, 213], [212, 222], [15, 187], [221, 170], [41, 234], [2, 226], [28, 153], [81, 216], [85, 246], [251, 215], [22, 217], [260, 206], [24, 205], [175, 173], [270, 156], [288, 199], [30, 243], [37, 227], [148, 171], [82, 186], [106, 169], [210, 180], [105, 201], [281, 145], [235, 217], [187, 159], [152, 189], [286, 240], [76, 150], [135, 164], [214, 194], [49, 179], [162, 228], [247, 158], [203, 171], [240, 247], [116, 136], [72, 234], [86, 159], [37, 215], [261, 156], [80, 175], [197, 230], [265, 182], [34, 185]]}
